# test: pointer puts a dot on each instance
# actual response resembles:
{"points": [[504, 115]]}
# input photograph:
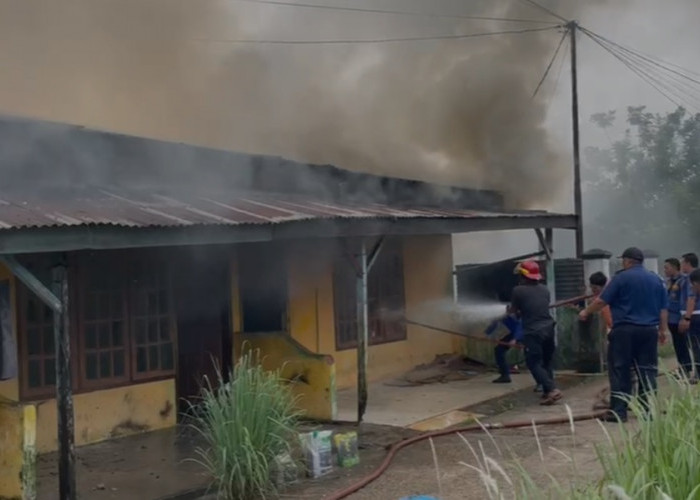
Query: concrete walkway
{"points": [[408, 406]]}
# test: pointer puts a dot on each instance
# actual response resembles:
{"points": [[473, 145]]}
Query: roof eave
{"points": [[108, 237]]}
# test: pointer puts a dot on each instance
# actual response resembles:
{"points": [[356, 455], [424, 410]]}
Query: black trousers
{"points": [[539, 355], [500, 353], [632, 346], [680, 345], [694, 341]]}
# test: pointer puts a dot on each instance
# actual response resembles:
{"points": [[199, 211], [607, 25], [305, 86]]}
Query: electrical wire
{"points": [[551, 62], [683, 85], [653, 60], [393, 12], [378, 40], [545, 9], [659, 82], [671, 94], [562, 60]]}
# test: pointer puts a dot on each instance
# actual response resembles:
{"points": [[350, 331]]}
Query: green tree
{"points": [[644, 187]]}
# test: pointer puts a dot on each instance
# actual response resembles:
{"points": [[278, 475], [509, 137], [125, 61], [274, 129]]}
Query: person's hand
{"points": [[512, 343], [583, 315], [663, 336], [683, 325]]}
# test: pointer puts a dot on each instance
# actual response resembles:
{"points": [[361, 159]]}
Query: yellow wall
{"points": [[428, 285], [11, 446], [111, 413], [311, 376]]}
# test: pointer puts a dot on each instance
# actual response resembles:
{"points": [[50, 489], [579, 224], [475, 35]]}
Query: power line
{"points": [[650, 59], [545, 9], [556, 81], [551, 62], [378, 40], [682, 90], [634, 69], [393, 12]]}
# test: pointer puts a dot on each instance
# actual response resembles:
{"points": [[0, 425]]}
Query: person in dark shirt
{"points": [[639, 305], [530, 302], [689, 324], [694, 332], [674, 282], [515, 334]]}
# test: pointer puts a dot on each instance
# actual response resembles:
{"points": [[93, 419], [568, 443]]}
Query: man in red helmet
{"points": [[530, 301]]}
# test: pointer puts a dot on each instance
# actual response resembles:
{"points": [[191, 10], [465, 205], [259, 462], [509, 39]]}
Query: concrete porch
{"points": [[427, 406]]}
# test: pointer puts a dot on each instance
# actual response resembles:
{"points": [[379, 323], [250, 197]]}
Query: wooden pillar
{"points": [[64, 394], [362, 332]]}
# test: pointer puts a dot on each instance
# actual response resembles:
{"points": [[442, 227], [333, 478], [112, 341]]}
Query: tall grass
{"points": [[655, 456], [245, 423]]}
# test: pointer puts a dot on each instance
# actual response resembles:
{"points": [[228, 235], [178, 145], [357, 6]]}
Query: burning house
{"points": [[161, 260]]}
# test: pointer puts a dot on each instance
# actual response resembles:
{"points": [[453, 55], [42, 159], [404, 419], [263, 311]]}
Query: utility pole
{"points": [[578, 206]]}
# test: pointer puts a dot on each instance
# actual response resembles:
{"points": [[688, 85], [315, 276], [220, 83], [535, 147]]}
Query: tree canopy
{"points": [[643, 188]]}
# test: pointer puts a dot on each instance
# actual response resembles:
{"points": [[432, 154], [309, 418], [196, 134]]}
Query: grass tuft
{"points": [[245, 424]]}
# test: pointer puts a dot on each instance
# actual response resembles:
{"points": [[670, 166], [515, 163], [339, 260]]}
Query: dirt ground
{"points": [[413, 471], [155, 465]]}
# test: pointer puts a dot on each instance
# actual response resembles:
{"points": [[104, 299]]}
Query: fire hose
{"points": [[555, 305], [396, 447]]}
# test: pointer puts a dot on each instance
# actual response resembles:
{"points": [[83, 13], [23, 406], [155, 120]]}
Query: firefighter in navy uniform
{"points": [[639, 303], [530, 302]]}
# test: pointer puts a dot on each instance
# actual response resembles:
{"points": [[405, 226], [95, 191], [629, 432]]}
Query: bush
{"points": [[245, 423]]}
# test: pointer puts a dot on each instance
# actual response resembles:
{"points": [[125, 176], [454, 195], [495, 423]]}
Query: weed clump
{"points": [[246, 423]]}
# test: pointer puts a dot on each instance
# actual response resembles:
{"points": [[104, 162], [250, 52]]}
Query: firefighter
{"points": [[639, 305], [515, 333], [530, 302]]}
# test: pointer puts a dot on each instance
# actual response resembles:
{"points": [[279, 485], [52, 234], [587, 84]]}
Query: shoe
{"points": [[693, 381], [552, 398], [613, 417], [514, 369], [502, 380], [538, 388]]}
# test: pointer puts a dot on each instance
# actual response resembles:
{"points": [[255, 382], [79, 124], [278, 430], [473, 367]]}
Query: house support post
{"points": [[363, 266], [64, 395], [57, 301], [362, 332]]}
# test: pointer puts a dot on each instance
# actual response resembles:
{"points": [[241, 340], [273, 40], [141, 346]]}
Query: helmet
{"points": [[529, 270]]}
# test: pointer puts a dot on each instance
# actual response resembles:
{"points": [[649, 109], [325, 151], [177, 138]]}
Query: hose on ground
{"points": [[396, 447]]}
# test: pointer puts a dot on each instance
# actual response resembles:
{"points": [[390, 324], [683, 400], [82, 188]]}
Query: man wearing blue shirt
{"points": [[694, 332], [690, 308], [515, 334], [674, 282], [639, 305]]}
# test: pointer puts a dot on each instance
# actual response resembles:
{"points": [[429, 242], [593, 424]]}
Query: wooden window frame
{"points": [[81, 291], [170, 316], [381, 330], [77, 267]]}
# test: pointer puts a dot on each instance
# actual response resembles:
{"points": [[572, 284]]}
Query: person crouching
{"points": [[515, 334]]}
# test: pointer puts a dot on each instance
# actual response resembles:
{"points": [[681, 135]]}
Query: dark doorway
{"points": [[263, 288], [203, 308]]}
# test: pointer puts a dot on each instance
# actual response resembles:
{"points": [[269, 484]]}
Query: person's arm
{"points": [[604, 299], [596, 306], [663, 316], [607, 317], [663, 326], [514, 307], [684, 324]]}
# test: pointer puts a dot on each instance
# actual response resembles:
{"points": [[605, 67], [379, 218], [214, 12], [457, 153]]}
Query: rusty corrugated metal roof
{"points": [[140, 209]]}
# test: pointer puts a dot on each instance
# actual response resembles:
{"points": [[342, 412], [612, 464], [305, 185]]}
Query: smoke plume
{"points": [[457, 112]]}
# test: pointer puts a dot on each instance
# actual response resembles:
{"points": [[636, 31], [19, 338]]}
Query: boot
{"points": [[502, 380]]}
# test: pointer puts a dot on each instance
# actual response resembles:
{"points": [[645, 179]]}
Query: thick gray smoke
{"points": [[450, 111]]}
